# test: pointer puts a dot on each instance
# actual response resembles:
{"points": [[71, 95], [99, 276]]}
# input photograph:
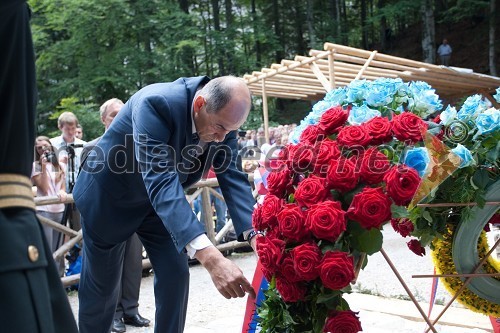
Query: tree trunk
{"points": [[364, 28], [278, 31], [218, 46], [299, 24], [385, 31], [184, 6], [491, 48], [345, 36], [310, 24], [428, 32], [256, 29], [230, 37], [339, 24]]}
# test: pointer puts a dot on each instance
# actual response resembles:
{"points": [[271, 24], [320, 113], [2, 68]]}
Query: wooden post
{"points": [[331, 69], [321, 78], [206, 207], [265, 110], [365, 66]]}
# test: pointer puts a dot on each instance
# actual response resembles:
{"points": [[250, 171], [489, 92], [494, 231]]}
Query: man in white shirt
{"points": [[69, 149], [444, 50]]}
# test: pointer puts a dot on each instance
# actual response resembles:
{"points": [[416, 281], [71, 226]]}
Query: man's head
{"points": [[79, 132], [221, 106], [109, 110], [445, 41], [67, 123]]}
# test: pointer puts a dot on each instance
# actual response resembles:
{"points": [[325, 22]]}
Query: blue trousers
{"points": [[103, 252]]}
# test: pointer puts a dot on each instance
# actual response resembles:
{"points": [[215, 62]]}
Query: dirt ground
{"points": [[209, 312]]}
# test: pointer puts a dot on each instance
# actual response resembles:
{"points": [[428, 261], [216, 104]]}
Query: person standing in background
{"points": [[49, 177], [33, 299], [444, 51], [69, 149], [79, 132]]}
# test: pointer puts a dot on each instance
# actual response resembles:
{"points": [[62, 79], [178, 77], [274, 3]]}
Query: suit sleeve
{"points": [[234, 185], [153, 125]]}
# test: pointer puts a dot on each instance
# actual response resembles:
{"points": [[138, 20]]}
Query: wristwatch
{"points": [[252, 234]]}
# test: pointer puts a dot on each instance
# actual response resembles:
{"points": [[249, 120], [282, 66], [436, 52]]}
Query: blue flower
{"points": [[356, 91], [361, 114], [336, 96], [418, 159], [423, 100], [382, 92], [488, 121], [472, 106], [448, 115], [464, 154], [320, 108], [294, 136], [497, 95]]}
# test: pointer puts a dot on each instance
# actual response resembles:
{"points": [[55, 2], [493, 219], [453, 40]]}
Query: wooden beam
{"points": [[319, 74], [365, 66]]}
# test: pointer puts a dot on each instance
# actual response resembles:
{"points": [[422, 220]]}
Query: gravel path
{"points": [[209, 312]]}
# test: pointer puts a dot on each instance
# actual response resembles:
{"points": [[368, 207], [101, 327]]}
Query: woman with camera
{"points": [[49, 177]]}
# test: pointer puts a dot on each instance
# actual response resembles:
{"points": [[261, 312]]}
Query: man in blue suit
{"points": [[162, 141]]}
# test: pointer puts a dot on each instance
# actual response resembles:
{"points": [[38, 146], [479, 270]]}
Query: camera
{"points": [[50, 156]]}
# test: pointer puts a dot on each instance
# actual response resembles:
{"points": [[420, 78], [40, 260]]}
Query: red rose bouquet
{"points": [[334, 188]]}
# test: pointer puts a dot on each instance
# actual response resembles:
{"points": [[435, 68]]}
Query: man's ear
{"points": [[199, 101]]}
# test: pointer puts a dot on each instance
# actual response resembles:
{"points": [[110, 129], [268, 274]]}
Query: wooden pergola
{"points": [[310, 78]]}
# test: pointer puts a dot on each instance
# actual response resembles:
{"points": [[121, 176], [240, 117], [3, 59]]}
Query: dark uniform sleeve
{"points": [[32, 297]]}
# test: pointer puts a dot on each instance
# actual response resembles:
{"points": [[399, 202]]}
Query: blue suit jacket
{"points": [[145, 159]]}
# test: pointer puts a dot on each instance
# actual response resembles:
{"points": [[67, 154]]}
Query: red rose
{"points": [[291, 222], [310, 191], [311, 134], [371, 208], [279, 182], [403, 226], [270, 250], [303, 158], [290, 291], [326, 151], [332, 119], [408, 126], [326, 220], [306, 258], [287, 269], [401, 184], [343, 322], [271, 206], [341, 175], [380, 130], [374, 164], [257, 218], [336, 270], [353, 136], [285, 156], [417, 248]]}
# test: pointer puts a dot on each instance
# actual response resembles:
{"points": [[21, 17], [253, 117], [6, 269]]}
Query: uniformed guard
{"points": [[32, 298]]}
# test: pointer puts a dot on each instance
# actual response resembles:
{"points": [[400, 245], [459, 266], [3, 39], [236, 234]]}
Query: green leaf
{"points": [[399, 211], [426, 215], [480, 179], [368, 241]]}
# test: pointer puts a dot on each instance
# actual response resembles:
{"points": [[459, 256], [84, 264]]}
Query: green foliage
{"points": [[94, 50]]}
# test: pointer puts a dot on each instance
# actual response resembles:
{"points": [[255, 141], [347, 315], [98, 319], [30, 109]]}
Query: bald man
{"points": [[161, 142]]}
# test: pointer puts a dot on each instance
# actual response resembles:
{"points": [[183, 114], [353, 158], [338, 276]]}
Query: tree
{"points": [[491, 44], [428, 31]]}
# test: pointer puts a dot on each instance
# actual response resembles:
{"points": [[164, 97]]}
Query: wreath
{"points": [[443, 261]]}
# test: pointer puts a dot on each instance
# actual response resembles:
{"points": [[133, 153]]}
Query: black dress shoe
{"points": [[118, 326], [136, 320]]}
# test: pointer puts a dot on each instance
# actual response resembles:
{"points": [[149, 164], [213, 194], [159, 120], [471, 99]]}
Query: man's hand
{"points": [[226, 276]]}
